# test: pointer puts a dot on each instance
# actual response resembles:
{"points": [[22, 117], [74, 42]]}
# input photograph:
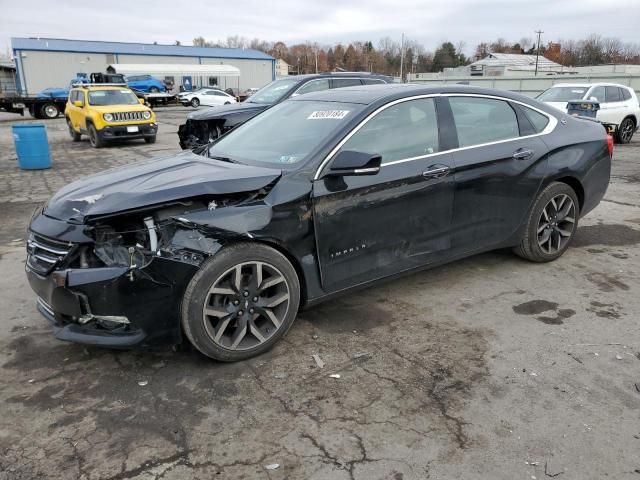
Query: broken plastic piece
{"points": [[335, 375], [272, 466], [143, 383], [318, 360]]}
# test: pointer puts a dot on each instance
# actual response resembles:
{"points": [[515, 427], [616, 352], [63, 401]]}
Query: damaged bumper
{"points": [[113, 306]]}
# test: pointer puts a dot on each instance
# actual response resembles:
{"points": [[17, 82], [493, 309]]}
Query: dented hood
{"points": [[154, 182], [224, 111]]}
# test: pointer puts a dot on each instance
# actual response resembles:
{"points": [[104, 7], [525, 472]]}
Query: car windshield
{"points": [[112, 97], [562, 94], [274, 92], [285, 134]]}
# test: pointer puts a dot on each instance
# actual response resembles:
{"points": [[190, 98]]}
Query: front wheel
{"points": [[241, 302], [551, 224], [625, 131], [195, 103], [94, 138]]}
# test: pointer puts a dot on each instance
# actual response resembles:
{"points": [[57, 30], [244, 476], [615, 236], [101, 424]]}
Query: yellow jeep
{"points": [[108, 112]]}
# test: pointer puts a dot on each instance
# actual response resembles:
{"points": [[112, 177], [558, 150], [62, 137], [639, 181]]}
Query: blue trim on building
{"points": [[89, 46], [20, 86]]}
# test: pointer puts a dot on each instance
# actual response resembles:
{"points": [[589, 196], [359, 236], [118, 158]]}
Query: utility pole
{"points": [[401, 57], [539, 32]]}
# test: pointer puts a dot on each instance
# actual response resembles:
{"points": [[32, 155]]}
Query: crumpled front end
{"points": [[118, 280], [195, 133]]}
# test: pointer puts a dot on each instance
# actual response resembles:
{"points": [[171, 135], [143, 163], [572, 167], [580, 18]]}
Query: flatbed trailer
{"points": [[38, 107]]}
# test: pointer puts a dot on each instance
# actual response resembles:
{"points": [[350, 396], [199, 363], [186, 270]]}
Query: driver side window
{"points": [[406, 130]]}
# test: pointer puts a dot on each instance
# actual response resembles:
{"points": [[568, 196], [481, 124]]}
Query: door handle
{"points": [[522, 154], [436, 172]]}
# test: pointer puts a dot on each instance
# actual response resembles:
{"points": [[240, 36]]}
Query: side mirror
{"points": [[349, 163], [78, 103], [141, 101], [594, 99]]}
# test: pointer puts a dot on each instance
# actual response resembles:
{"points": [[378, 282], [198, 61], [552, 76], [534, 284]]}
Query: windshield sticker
{"points": [[329, 114], [98, 94], [577, 91]]}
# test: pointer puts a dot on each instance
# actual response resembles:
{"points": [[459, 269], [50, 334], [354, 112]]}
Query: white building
{"points": [[282, 68], [51, 62]]}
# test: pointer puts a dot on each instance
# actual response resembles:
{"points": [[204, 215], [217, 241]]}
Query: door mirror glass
{"points": [[349, 162], [78, 103]]}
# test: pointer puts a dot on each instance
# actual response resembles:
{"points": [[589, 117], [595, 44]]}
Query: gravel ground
{"points": [[487, 368]]}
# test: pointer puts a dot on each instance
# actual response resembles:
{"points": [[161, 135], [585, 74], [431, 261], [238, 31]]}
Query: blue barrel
{"points": [[32, 146]]}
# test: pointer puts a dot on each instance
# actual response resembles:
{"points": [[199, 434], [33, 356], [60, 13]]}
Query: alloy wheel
{"points": [[626, 132], [556, 224], [246, 305]]}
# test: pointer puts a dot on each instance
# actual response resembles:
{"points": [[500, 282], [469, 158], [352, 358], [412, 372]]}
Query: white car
{"points": [[618, 104], [210, 97]]}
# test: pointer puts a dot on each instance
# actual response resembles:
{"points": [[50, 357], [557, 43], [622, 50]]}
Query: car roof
{"points": [[309, 76], [367, 94], [101, 87], [588, 85]]}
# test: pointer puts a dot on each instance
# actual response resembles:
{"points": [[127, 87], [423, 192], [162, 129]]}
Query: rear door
{"points": [[613, 109], [369, 227], [499, 168]]}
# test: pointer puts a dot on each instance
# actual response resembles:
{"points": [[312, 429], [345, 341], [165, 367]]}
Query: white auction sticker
{"points": [[331, 114]]}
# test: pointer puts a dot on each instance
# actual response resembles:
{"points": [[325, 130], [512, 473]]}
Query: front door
{"points": [[369, 227]]}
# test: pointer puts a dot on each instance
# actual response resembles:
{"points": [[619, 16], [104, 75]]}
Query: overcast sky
{"points": [[323, 21]]}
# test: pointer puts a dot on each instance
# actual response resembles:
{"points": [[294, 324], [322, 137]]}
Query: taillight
{"points": [[610, 145]]}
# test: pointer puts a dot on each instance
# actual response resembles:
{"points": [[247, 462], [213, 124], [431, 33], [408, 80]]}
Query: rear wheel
{"points": [[50, 110], [94, 138], [240, 302], [625, 130], [551, 225], [195, 103], [75, 136]]}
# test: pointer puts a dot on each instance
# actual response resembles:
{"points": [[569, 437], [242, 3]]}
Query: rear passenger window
{"points": [[345, 82], [483, 120], [613, 94], [314, 86], [372, 81], [626, 94], [406, 130], [538, 120]]}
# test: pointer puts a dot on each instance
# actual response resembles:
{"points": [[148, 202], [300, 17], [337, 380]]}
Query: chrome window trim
{"points": [[553, 122]]}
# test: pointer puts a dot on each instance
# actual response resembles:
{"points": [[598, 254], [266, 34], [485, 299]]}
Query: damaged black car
{"points": [[318, 195], [204, 126]]}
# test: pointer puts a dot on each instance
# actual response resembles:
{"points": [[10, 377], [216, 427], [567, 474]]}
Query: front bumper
{"points": [[117, 132], [80, 301]]}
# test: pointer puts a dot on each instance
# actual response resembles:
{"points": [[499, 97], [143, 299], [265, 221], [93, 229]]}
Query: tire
{"points": [[561, 224], [625, 130], [227, 103], [195, 103], [75, 136], [231, 307], [154, 90], [150, 139], [49, 110], [94, 138]]}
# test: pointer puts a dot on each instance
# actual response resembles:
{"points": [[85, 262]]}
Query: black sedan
{"points": [[319, 194], [204, 126]]}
